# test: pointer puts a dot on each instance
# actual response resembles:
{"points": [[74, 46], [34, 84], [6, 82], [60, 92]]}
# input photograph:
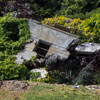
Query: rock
{"points": [[76, 86], [11, 6], [87, 48], [93, 87], [26, 53], [40, 62], [14, 14], [42, 71], [23, 10], [17, 85], [72, 45]]}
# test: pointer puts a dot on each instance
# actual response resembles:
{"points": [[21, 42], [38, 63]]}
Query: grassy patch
{"points": [[43, 91], [53, 92]]}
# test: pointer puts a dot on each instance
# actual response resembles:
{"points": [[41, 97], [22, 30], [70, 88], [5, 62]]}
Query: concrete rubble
{"points": [[87, 48], [26, 53]]}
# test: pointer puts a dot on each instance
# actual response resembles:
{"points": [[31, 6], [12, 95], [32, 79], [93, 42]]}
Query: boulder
{"points": [[87, 48], [42, 72], [16, 85], [72, 45], [26, 53]]}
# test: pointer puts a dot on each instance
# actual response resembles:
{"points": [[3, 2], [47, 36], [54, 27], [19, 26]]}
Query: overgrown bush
{"points": [[85, 77], [13, 33], [31, 64], [45, 8], [56, 76], [9, 70], [51, 63], [90, 29], [83, 16], [74, 7], [68, 24]]}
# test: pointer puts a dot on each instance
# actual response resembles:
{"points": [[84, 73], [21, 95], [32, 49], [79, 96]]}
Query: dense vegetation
{"points": [[70, 8], [87, 30], [13, 33], [79, 8], [74, 16]]}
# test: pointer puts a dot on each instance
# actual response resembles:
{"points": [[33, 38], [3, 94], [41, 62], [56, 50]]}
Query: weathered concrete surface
{"points": [[62, 53], [87, 48], [50, 34], [26, 54], [58, 38]]}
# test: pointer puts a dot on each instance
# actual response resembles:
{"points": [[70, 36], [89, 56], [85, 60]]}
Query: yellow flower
{"points": [[93, 33], [65, 24], [86, 29]]}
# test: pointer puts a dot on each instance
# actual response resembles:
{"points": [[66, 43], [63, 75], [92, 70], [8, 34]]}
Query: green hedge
{"points": [[13, 33]]}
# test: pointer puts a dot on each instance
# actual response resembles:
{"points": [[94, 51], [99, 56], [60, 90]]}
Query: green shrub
{"points": [[56, 76], [31, 63], [34, 76], [90, 29], [51, 63], [71, 7], [83, 16], [13, 33], [42, 8], [9, 70], [85, 77]]}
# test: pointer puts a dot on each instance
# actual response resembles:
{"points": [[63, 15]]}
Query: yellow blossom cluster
{"points": [[75, 23], [68, 23], [88, 29], [57, 20]]}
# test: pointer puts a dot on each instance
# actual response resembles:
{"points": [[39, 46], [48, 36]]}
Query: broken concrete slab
{"points": [[63, 54], [58, 39], [50, 41], [26, 53], [87, 48], [50, 34]]}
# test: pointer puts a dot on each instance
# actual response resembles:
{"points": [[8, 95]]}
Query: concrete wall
{"points": [[59, 39]]}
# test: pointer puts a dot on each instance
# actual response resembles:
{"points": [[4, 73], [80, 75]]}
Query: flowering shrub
{"points": [[90, 29], [57, 20], [71, 24]]}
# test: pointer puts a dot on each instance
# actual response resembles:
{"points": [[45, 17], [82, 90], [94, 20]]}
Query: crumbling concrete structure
{"points": [[45, 40], [50, 39]]}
